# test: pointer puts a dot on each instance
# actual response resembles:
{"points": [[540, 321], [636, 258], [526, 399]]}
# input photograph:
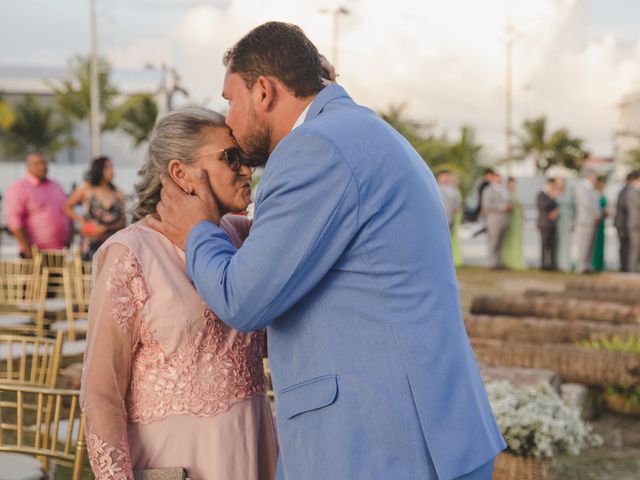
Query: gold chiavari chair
{"points": [[22, 295], [78, 319], [59, 265], [29, 360], [40, 427]]}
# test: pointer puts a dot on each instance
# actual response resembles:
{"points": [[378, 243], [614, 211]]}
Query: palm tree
{"points": [[35, 126], [557, 148], [462, 156], [633, 158], [413, 131], [534, 142], [7, 117], [137, 116], [567, 151], [465, 160], [74, 94]]}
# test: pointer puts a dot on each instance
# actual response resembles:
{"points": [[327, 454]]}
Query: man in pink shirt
{"points": [[34, 209]]}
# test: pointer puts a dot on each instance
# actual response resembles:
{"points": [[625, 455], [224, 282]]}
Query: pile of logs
{"points": [[543, 330]]}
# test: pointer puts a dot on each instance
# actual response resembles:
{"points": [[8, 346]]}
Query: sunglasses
{"points": [[231, 156]]}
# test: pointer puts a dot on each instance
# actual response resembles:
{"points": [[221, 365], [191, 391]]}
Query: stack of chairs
{"points": [[22, 296], [41, 427], [68, 281], [56, 266], [75, 324]]}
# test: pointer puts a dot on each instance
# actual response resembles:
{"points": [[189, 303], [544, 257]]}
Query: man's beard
{"points": [[255, 148]]}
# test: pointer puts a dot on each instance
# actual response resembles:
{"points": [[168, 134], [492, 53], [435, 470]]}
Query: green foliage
{"points": [[137, 116], [7, 116], [74, 94], [557, 148], [633, 158], [36, 126], [461, 156], [631, 344], [616, 343]]}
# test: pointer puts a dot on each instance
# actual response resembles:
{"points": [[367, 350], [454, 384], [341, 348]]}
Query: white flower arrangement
{"points": [[536, 422]]}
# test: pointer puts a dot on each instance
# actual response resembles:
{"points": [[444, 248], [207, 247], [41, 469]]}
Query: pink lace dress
{"points": [[165, 382]]}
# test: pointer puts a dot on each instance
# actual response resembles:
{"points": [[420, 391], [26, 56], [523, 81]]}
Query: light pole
{"points": [[511, 35], [94, 100], [335, 13]]}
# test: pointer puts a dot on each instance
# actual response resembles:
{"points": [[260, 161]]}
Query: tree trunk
{"points": [[600, 295], [544, 330], [561, 308], [573, 364]]}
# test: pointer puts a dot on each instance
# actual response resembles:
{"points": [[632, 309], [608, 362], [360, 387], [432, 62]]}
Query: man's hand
{"points": [[179, 212]]}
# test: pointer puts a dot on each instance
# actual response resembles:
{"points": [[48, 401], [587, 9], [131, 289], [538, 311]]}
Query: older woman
{"points": [[166, 383]]}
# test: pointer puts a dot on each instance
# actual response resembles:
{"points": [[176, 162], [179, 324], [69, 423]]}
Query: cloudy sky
{"points": [[573, 59]]}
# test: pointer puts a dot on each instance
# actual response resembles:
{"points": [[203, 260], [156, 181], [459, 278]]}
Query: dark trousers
{"points": [[624, 251], [548, 257]]}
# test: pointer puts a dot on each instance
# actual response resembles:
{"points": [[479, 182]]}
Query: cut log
{"points": [[567, 308], [521, 376], [573, 364], [600, 295], [611, 283], [544, 330]]}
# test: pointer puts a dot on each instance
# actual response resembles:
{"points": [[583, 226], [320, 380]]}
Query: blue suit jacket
{"points": [[349, 263]]}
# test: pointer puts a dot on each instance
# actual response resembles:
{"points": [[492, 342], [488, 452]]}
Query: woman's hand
{"points": [[330, 71]]}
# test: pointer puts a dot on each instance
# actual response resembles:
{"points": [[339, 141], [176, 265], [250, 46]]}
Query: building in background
{"points": [[627, 136], [17, 82]]}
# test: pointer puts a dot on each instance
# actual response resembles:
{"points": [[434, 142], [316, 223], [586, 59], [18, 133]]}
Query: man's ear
{"points": [[266, 93]]}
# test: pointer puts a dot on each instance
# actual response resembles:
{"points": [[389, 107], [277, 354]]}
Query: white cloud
{"points": [[445, 58]]}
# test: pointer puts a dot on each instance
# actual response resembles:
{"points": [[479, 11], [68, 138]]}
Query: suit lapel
{"points": [[326, 95]]}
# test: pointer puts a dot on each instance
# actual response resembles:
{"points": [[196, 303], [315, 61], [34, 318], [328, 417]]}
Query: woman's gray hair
{"points": [[176, 135]]}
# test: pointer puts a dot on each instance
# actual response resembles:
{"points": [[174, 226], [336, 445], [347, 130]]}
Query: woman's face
{"points": [[107, 171], [232, 189]]}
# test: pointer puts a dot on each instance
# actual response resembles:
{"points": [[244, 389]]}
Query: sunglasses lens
{"points": [[232, 158]]}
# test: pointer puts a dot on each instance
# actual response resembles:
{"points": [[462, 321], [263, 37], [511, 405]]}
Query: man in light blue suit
{"points": [[349, 265]]}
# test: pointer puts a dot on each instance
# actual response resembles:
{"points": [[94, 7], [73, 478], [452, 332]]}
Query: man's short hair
{"points": [[633, 174], [280, 50], [488, 171]]}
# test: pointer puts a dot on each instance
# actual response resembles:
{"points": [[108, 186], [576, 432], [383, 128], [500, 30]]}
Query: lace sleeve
{"points": [[118, 295]]}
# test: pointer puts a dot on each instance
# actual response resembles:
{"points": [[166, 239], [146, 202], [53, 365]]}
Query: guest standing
{"points": [[620, 222], [599, 242], [548, 212], [450, 195], [564, 225], [486, 176], [496, 205], [512, 254], [103, 207], [588, 214], [34, 206], [633, 223], [455, 233]]}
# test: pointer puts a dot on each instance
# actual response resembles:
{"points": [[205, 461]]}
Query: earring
{"points": [[187, 191]]}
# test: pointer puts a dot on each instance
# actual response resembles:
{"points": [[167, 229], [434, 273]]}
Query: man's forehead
{"points": [[232, 83]]}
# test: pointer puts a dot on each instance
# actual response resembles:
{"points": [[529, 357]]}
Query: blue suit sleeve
{"points": [[306, 215]]}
